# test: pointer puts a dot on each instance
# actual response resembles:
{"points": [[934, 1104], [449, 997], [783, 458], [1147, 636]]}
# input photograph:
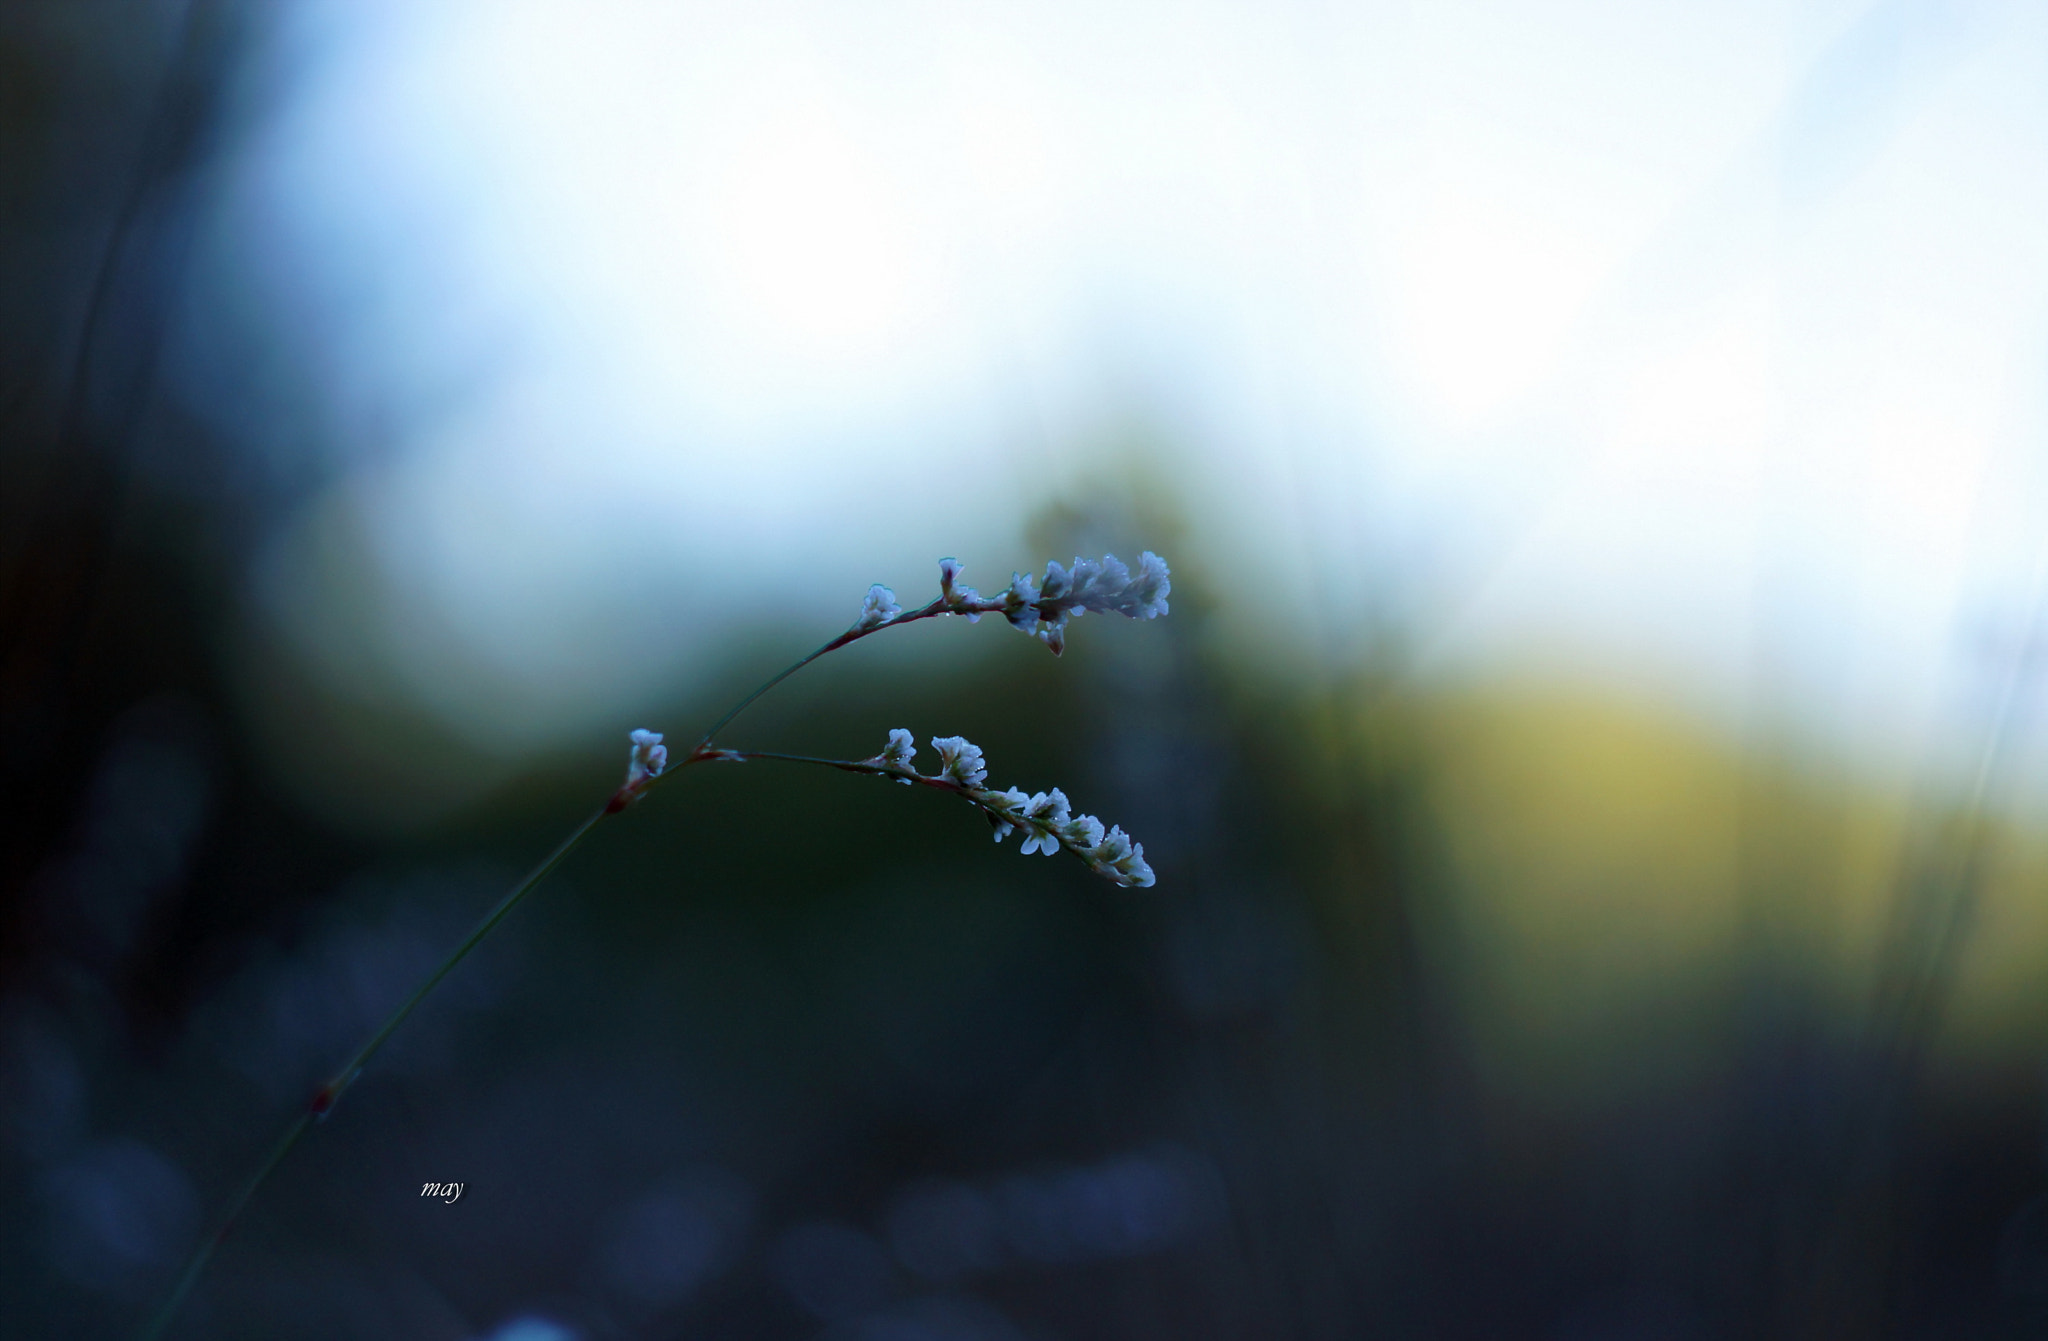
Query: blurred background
{"points": [[1591, 763]]}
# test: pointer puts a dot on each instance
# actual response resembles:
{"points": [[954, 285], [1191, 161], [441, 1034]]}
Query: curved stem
{"points": [[333, 1089], [324, 1098], [740, 707], [938, 607], [204, 1252]]}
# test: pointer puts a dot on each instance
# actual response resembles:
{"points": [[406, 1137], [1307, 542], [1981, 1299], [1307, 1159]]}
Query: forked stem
{"points": [[854, 634], [1141, 598], [329, 1094]]}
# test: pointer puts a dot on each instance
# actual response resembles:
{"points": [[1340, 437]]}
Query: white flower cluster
{"points": [[1043, 818], [1105, 586], [1039, 608]]}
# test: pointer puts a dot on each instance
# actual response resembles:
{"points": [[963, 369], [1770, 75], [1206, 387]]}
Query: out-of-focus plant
{"points": [[1045, 819]]}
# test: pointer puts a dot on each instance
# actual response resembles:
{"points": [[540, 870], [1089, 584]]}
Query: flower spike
{"points": [[1044, 817], [1103, 585], [1040, 609]]}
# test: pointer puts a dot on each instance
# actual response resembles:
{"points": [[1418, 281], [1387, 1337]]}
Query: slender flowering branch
{"points": [[1040, 609], [1043, 818], [1105, 585]]}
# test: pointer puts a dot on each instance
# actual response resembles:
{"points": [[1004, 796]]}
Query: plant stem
{"points": [[938, 607], [324, 1098], [204, 1252], [740, 707], [332, 1090], [327, 1095], [850, 766]]}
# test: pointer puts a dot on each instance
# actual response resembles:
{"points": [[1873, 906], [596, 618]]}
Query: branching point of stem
{"points": [[328, 1095]]}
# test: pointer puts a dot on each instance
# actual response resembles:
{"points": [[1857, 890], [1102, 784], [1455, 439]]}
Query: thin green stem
{"points": [[747, 702], [204, 1252], [938, 607], [325, 1098], [849, 766], [332, 1091]]}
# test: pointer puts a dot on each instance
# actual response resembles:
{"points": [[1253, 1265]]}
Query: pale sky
{"points": [[1690, 342]]}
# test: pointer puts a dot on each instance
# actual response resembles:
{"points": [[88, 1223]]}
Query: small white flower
{"points": [[1083, 832], [954, 594], [1004, 808], [643, 764], [960, 760], [1123, 861], [1135, 870], [1092, 579], [901, 750], [878, 609], [1147, 592], [1048, 809], [648, 758], [1020, 603], [1009, 801]]}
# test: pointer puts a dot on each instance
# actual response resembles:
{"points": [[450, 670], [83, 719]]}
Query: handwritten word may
{"points": [[446, 1191]]}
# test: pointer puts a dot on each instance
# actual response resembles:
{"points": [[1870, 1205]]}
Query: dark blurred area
{"points": [[1517, 1010]]}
